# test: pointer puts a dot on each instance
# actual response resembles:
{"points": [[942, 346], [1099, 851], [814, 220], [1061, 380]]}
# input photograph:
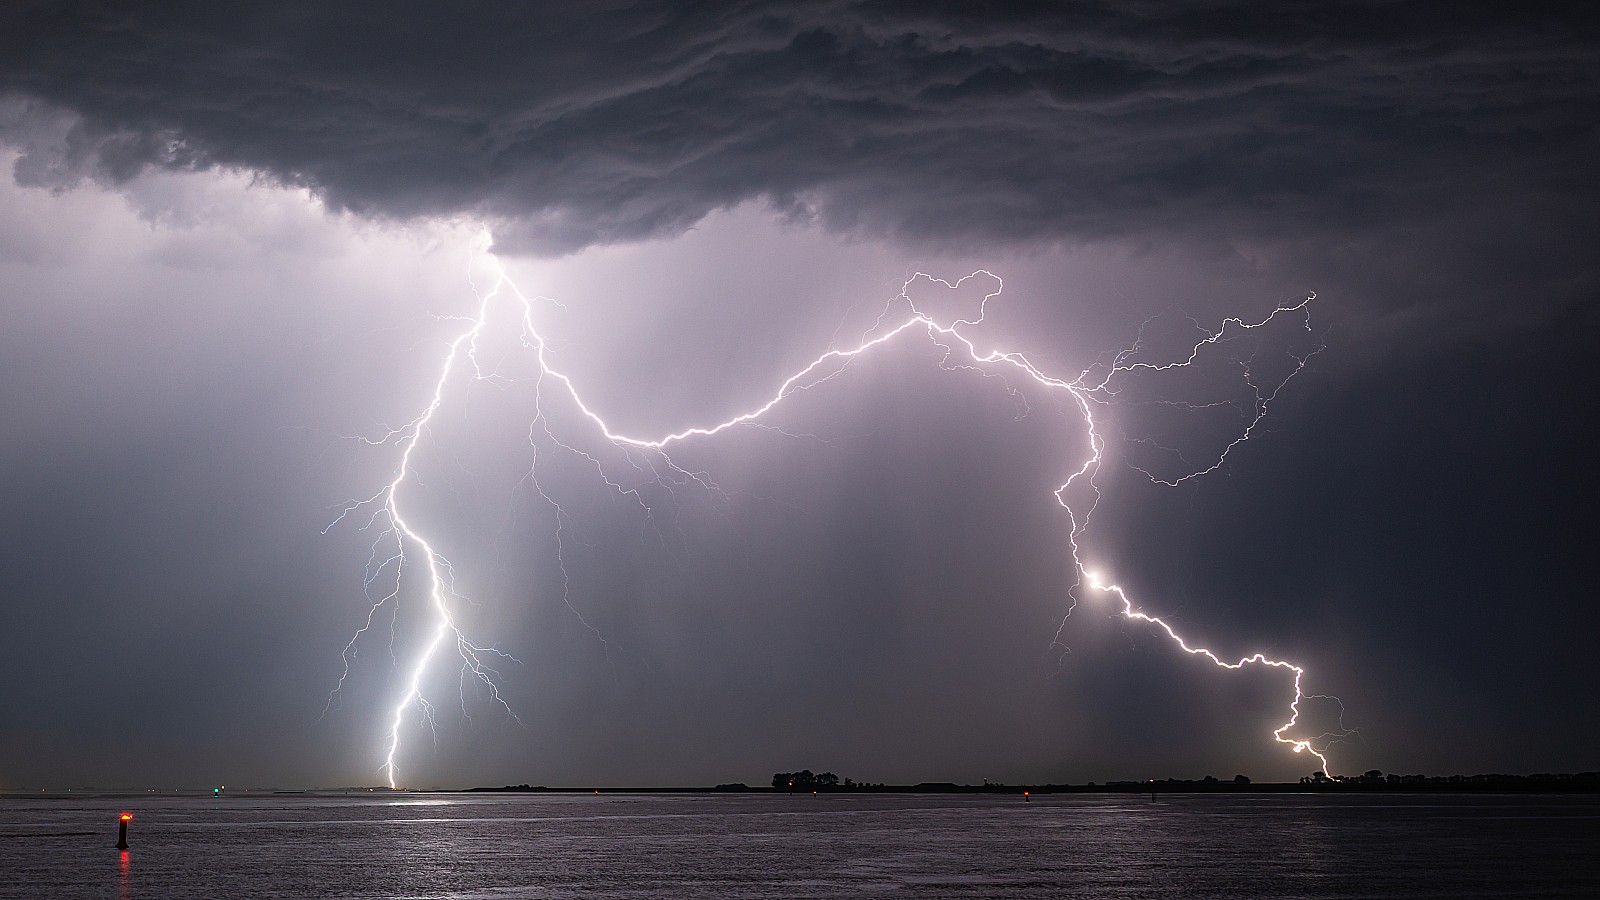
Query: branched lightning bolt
{"points": [[1092, 390], [1259, 659]]}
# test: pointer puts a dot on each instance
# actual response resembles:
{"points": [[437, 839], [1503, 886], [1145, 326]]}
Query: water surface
{"points": [[802, 846]]}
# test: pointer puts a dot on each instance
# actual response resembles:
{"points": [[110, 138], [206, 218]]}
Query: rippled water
{"points": [[638, 846]]}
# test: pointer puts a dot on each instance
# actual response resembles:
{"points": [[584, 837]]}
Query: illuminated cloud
{"points": [[577, 124]]}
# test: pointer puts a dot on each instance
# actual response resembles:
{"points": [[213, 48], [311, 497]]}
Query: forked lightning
{"points": [[402, 543]]}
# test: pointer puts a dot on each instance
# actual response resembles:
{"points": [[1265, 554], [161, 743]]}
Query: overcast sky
{"points": [[235, 245]]}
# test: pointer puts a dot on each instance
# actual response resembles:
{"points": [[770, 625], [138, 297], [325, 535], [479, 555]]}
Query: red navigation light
{"points": [[127, 817]]}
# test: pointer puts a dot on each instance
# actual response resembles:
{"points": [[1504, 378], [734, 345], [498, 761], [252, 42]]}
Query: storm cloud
{"points": [[575, 124]]}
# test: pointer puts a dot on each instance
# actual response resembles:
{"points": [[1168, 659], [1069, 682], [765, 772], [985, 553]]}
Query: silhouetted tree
{"points": [[806, 780]]}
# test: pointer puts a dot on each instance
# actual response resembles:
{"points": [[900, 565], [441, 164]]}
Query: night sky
{"points": [[234, 246]]}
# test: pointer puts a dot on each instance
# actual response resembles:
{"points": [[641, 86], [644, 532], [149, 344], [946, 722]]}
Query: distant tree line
{"points": [[807, 780], [1374, 776], [1206, 781]]}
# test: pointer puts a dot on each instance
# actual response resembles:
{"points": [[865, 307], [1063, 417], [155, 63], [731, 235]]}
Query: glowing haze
{"points": [[1097, 386]]}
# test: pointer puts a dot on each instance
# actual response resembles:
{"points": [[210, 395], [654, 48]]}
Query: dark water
{"points": [[641, 846]]}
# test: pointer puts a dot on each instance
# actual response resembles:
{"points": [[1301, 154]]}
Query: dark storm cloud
{"points": [[592, 123]]}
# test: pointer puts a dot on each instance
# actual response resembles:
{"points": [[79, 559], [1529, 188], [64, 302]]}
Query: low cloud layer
{"points": [[590, 124]]}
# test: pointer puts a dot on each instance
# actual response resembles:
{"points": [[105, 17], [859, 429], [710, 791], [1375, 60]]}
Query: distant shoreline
{"points": [[1468, 784], [1580, 783]]}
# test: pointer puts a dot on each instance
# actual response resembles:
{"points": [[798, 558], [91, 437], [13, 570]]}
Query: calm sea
{"points": [[902, 846]]}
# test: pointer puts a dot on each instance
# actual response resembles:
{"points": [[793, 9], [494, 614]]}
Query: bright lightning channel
{"points": [[400, 540]]}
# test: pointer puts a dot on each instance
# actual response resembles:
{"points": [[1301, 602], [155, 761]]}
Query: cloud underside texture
{"points": [[576, 124]]}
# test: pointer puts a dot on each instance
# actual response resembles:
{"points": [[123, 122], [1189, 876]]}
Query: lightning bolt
{"points": [[1091, 392]]}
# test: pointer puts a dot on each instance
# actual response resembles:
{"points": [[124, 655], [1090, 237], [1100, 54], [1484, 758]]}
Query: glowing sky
{"points": [[231, 242]]}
